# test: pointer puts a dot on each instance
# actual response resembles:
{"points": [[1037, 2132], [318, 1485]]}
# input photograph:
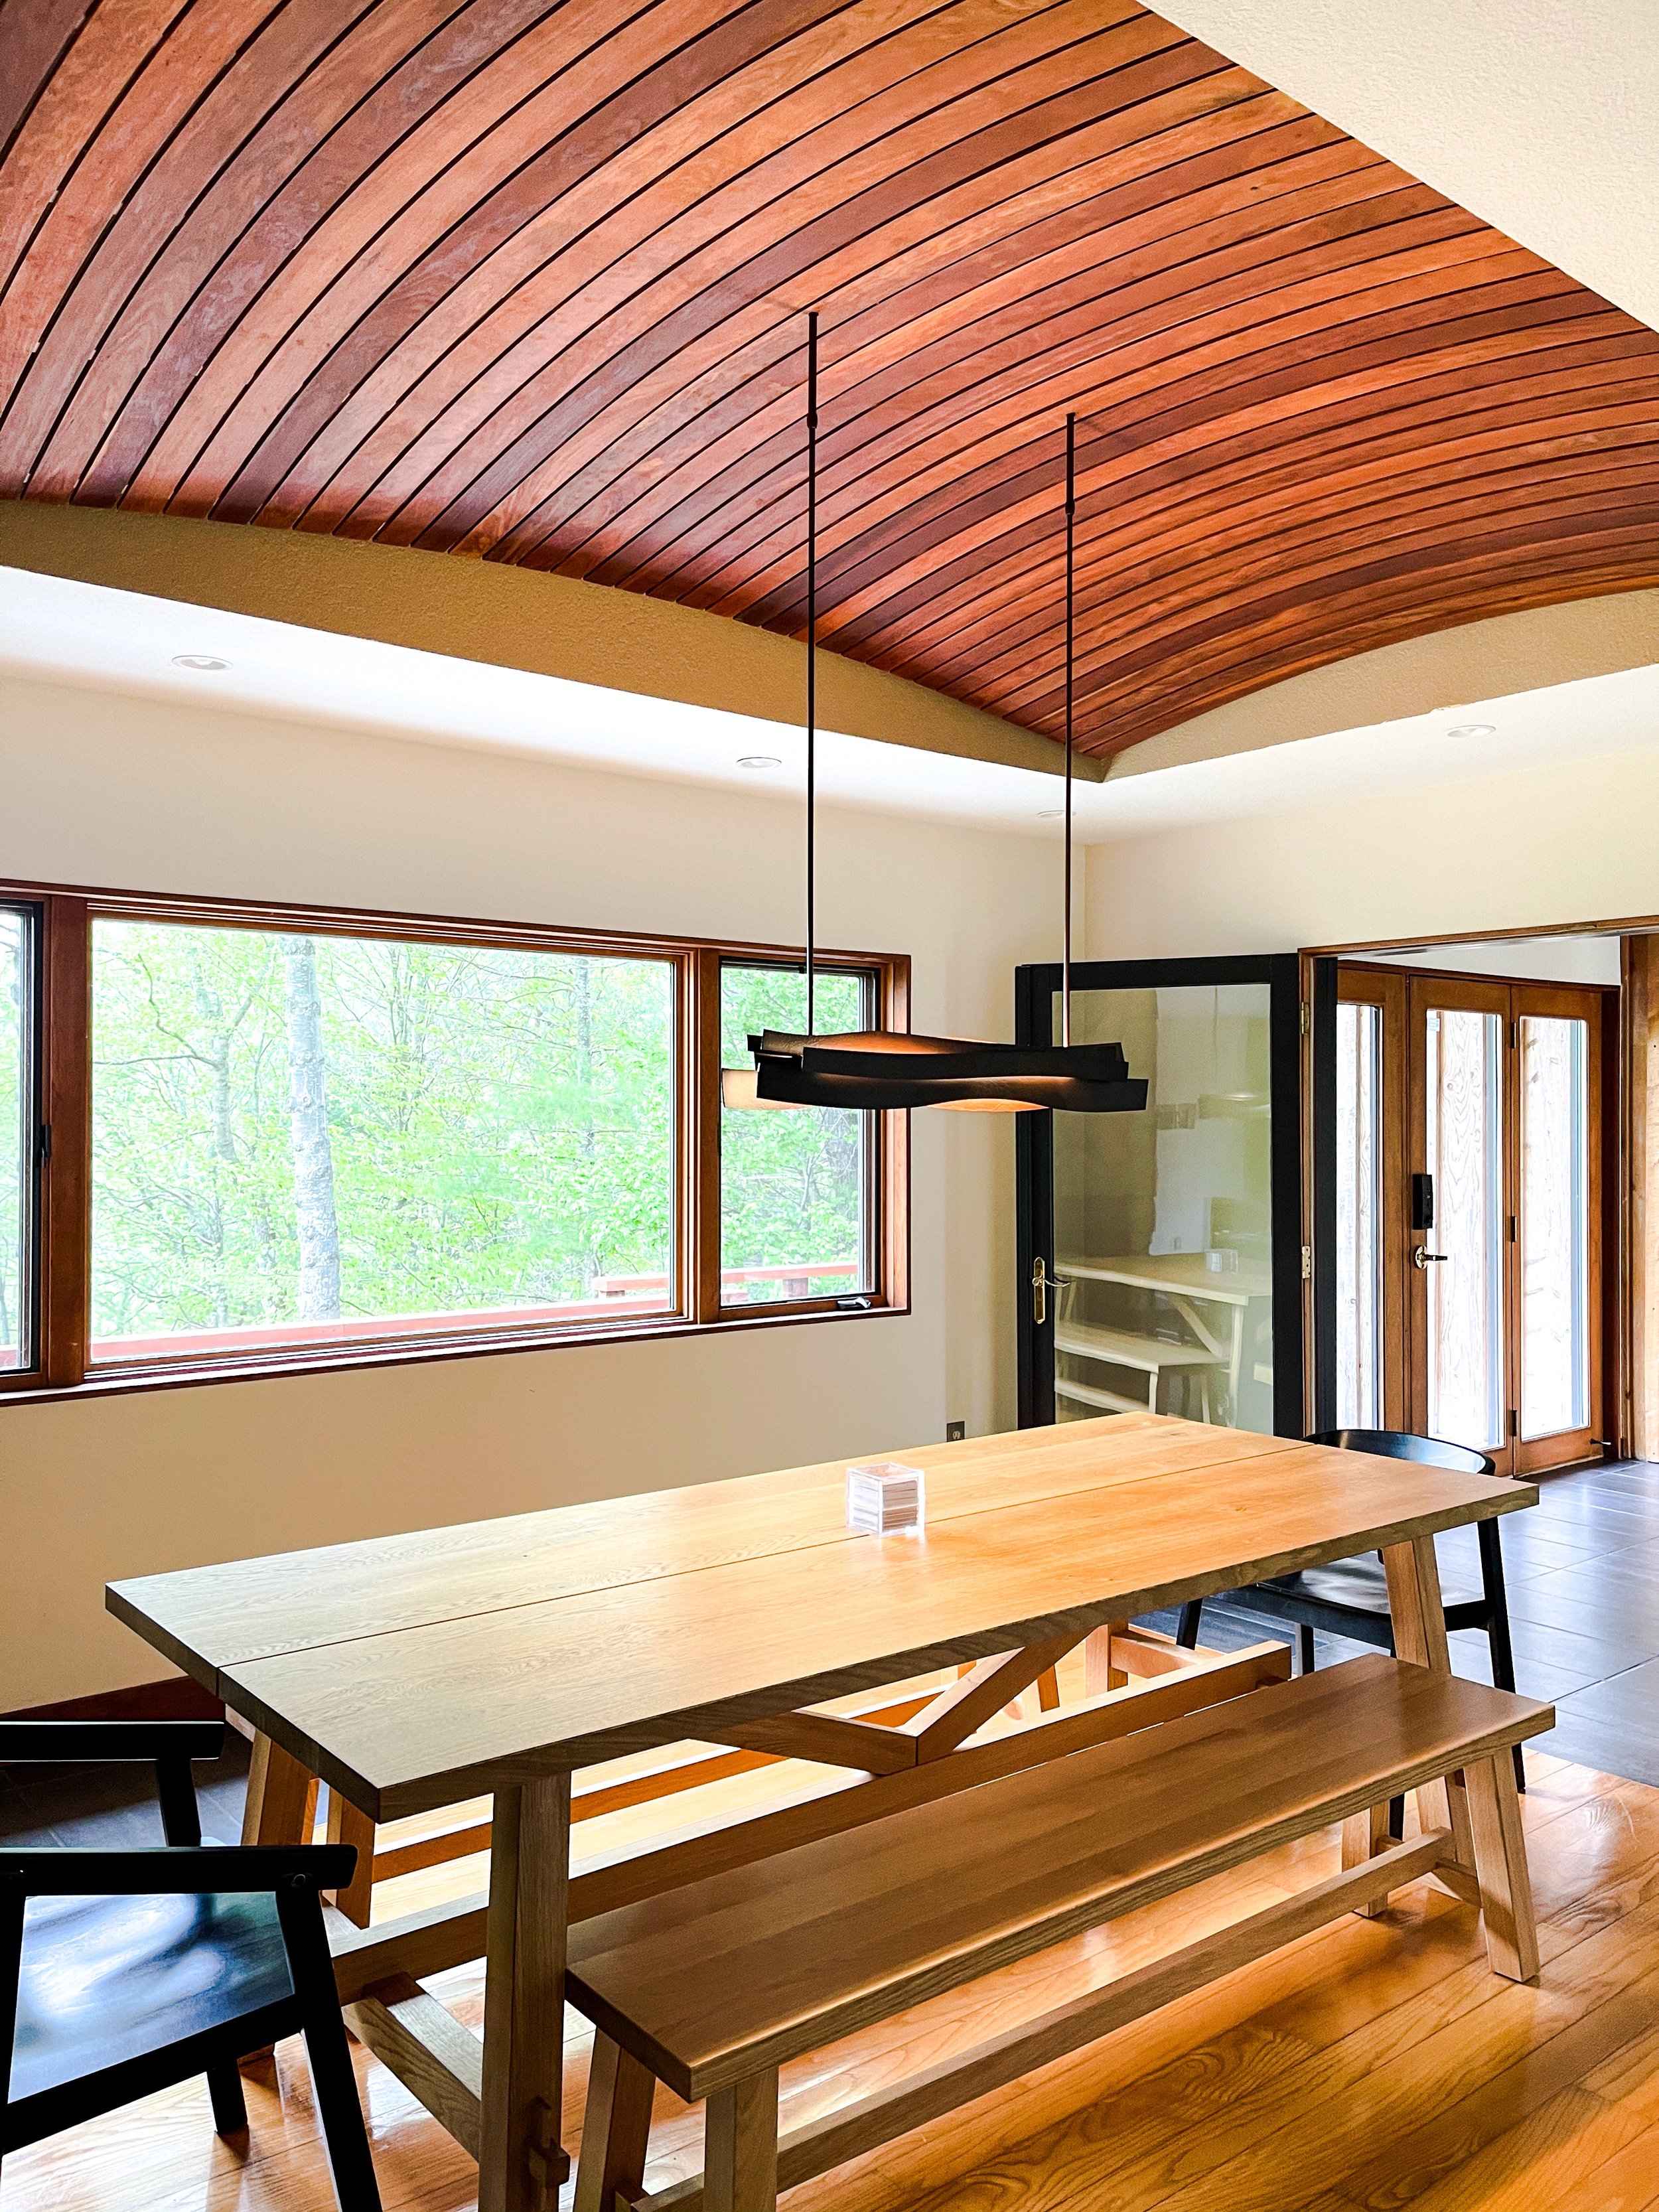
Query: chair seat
{"points": [[1357, 1585], [106, 1980]]}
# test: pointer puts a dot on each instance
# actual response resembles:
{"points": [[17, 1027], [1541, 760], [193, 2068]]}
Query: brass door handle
{"points": [[1425, 1260], [1042, 1282]]}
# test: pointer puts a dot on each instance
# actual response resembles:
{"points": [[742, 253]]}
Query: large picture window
{"points": [[271, 1138], [17, 1130], [797, 1207]]}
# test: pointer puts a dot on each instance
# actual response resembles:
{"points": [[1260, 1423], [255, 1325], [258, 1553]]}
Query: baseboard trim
{"points": [[177, 1698]]}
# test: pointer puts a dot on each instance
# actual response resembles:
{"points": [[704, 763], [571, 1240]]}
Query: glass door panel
{"points": [[1554, 1226], [1463, 1257], [1163, 1221], [1360, 1325]]}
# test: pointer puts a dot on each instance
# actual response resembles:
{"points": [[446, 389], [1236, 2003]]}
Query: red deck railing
{"points": [[615, 1296]]}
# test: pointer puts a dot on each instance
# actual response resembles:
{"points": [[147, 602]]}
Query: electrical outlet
{"points": [[955, 1433]]}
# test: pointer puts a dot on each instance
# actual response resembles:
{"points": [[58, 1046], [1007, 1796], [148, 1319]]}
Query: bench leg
{"points": [[1364, 1836], [1419, 1636], [1500, 1852], [740, 2155], [616, 2128]]}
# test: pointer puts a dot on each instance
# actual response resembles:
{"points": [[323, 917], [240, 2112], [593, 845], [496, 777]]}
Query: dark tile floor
{"points": [[114, 1807], [1581, 1570]]}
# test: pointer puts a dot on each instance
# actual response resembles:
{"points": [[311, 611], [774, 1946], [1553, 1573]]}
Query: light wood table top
{"points": [[418, 1670]]}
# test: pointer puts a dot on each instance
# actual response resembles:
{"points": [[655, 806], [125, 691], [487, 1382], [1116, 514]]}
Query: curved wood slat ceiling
{"points": [[526, 281]]}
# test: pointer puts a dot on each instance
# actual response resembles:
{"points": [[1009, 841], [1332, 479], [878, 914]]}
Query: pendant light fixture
{"points": [[884, 1071]]}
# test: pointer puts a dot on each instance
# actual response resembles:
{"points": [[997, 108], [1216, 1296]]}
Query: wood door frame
{"points": [[1611, 1426], [1586, 1003], [1035, 986]]}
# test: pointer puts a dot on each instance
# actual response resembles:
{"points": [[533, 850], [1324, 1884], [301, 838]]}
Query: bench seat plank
{"points": [[709, 1984]]}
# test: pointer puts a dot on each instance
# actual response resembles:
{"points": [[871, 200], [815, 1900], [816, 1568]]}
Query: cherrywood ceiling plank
{"points": [[277, 185], [1383, 618], [1260, 308], [715, 373], [278, 481], [126, 86], [1188, 483], [1510, 558], [1300, 568], [938, 307], [1283, 392], [785, 262], [479, 140], [1556, 547], [605, 369], [1151, 404], [415, 55], [526, 279], [692, 177], [1371, 499], [925, 462], [256, 81], [35, 36]]}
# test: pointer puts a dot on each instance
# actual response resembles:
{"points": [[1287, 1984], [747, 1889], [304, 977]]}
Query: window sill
{"points": [[189, 1374]]}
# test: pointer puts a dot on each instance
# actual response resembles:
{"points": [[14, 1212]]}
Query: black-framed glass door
{"points": [[1160, 1253]]}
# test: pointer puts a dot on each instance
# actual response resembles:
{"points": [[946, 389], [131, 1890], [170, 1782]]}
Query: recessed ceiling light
{"points": [[759, 760], [1473, 730], [1050, 813], [209, 663]]}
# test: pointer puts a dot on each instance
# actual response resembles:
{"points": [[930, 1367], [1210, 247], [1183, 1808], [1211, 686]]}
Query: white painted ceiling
{"points": [[87, 635]]}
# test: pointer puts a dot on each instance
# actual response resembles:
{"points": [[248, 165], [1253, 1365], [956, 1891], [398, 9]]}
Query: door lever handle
{"points": [[1425, 1259], [1042, 1282]]}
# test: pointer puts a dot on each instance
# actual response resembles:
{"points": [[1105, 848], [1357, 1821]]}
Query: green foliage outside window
{"points": [[14, 1159], [297, 1129], [792, 1185]]}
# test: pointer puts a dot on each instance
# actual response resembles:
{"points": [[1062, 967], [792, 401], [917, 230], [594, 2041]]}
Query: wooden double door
{"points": [[1469, 1248]]}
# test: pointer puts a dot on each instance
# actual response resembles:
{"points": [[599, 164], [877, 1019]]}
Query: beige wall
{"points": [[104, 790], [1568, 843]]}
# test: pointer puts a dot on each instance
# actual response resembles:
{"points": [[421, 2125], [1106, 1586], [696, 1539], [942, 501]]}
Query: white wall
{"points": [[1531, 959], [1571, 842], [100, 789]]}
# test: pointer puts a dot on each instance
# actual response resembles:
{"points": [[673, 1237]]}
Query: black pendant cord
{"points": [[1070, 594], [811, 645]]}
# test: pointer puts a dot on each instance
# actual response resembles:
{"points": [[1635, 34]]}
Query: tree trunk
{"points": [[319, 1290]]}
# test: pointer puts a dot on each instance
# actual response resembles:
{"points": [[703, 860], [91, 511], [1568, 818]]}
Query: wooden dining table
{"points": [[416, 1671]]}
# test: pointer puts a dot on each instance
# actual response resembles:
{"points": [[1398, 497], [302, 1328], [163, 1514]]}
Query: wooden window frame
{"points": [[64, 918]]}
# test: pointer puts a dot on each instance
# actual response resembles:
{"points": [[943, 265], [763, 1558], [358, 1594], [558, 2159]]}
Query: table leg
{"points": [[281, 1807], [521, 2164], [1419, 1636], [282, 1798], [1099, 1675]]}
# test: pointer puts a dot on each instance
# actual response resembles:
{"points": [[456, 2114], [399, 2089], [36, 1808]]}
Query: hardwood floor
{"points": [[1377, 2065], [1374, 2066]]}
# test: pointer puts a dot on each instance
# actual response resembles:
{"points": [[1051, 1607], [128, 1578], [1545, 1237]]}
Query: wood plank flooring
{"points": [[1376, 2066]]}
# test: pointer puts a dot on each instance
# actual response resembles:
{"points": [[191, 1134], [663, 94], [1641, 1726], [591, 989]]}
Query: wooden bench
{"points": [[711, 1988]]}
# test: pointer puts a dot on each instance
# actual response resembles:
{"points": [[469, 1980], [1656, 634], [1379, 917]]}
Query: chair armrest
{"points": [[68, 1742], [177, 1870]]}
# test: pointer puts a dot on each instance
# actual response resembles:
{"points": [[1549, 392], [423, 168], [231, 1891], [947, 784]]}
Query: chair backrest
{"points": [[1401, 1444]]}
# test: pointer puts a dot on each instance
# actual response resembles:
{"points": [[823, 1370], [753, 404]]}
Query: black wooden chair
{"points": [[124, 1972], [1349, 1597]]}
